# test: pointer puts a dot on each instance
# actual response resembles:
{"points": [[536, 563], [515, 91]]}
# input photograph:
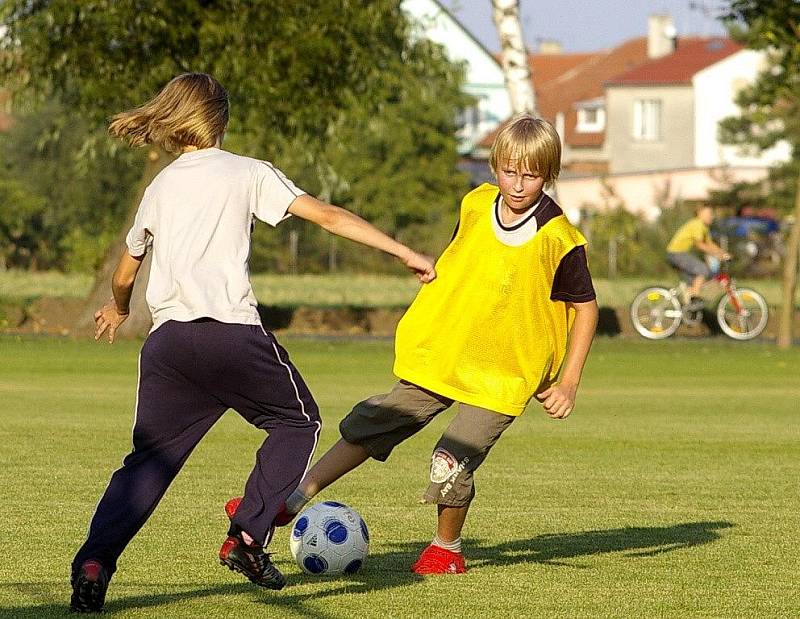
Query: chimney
{"points": [[661, 36], [550, 46]]}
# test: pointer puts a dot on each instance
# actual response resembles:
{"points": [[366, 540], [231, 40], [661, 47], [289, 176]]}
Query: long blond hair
{"points": [[528, 140], [191, 110]]}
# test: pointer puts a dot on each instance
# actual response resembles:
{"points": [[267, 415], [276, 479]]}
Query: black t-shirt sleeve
{"points": [[572, 281]]}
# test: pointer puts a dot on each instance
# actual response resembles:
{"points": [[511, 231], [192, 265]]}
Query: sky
{"points": [[587, 25]]}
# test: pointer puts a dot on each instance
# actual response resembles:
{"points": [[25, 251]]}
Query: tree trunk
{"points": [[140, 320], [790, 277], [516, 68]]}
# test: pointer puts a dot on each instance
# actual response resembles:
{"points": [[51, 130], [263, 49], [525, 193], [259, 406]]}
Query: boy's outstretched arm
{"points": [[712, 249], [559, 400], [115, 312], [343, 223]]}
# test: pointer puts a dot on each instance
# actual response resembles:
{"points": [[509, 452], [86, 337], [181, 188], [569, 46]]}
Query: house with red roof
{"points": [[570, 93], [569, 87], [573, 100], [664, 114], [661, 138], [639, 122]]}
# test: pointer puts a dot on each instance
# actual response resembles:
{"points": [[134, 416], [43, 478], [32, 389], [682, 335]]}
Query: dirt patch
{"points": [[12, 314], [56, 315], [47, 315], [331, 320], [384, 321]]}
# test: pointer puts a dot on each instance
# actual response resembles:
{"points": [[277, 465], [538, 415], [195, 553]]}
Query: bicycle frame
{"points": [[726, 281], [722, 278]]}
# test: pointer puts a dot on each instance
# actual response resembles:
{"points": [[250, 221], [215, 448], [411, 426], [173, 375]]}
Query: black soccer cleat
{"points": [[89, 585], [251, 561]]}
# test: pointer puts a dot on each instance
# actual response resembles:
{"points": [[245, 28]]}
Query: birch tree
{"points": [[516, 68]]}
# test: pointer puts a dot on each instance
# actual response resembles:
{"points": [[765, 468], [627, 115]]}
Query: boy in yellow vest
{"points": [[512, 307]]}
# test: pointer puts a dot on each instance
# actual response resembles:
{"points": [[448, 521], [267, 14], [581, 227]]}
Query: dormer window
{"points": [[591, 116]]}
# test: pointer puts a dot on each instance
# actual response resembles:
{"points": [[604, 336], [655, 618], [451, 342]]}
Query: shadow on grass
{"points": [[118, 604], [635, 542], [390, 569]]}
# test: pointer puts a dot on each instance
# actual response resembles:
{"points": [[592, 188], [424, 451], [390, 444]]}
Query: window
{"points": [[591, 120], [647, 119], [470, 119]]}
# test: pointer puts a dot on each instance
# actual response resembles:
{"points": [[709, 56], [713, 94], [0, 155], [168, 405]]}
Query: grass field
{"points": [[339, 289], [672, 491]]}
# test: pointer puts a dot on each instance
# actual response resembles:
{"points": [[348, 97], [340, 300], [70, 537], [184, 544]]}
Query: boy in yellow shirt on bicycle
{"points": [[691, 238]]}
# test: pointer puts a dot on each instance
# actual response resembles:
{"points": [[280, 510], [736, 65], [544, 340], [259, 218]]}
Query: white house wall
{"points": [[673, 149], [715, 89], [484, 76], [647, 193]]}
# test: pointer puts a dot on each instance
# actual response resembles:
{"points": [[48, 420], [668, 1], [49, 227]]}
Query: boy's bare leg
{"points": [[697, 284], [450, 522], [339, 460]]}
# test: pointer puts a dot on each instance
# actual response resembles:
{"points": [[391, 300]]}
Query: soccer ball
{"points": [[328, 539]]}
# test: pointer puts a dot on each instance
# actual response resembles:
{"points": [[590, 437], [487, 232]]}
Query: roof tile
{"points": [[679, 67]]}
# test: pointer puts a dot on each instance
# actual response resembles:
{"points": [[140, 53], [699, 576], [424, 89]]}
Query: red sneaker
{"points": [[232, 505], [281, 520], [438, 560]]}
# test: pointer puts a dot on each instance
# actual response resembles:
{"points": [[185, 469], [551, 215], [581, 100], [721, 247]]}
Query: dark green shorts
{"points": [[384, 421]]}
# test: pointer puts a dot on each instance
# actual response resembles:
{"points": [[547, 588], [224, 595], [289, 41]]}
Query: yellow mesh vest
{"points": [[485, 331]]}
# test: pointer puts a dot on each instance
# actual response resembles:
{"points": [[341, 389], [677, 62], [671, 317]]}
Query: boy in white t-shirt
{"points": [[207, 351]]}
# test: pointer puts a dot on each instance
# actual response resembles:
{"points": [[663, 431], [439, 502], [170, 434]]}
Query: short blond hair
{"points": [[531, 141], [191, 110]]}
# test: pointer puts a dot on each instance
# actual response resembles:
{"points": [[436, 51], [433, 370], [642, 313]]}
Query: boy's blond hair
{"points": [[530, 141], [191, 110]]}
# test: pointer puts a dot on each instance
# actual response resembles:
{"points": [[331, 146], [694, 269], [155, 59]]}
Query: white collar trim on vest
{"points": [[519, 232]]}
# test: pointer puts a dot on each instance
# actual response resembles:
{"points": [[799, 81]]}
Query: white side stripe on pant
{"points": [[302, 406]]}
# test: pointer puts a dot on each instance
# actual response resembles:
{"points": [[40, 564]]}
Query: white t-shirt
{"points": [[197, 214]]}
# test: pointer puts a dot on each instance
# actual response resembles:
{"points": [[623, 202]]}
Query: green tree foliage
{"points": [[335, 92], [776, 192], [770, 106], [395, 167], [18, 215], [622, 243], [771, 109], [58, 210]]}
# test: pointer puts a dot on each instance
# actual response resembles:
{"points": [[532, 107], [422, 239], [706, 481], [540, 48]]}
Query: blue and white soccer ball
{"points": [[328, 539]]}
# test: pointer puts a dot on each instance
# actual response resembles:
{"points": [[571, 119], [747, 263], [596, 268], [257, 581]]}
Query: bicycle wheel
{"points": [[748, 320], [656, 313]]}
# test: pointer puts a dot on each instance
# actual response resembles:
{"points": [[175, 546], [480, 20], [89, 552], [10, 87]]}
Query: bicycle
{"points": [[657, 312]]}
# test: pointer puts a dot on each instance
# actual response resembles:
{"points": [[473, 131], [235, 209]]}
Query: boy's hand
{"points": [[108, 318], [558, 400], [422, 265]]}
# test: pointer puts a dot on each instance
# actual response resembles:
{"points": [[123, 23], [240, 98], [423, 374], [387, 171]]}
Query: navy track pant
{"points": [[190, 373]]}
